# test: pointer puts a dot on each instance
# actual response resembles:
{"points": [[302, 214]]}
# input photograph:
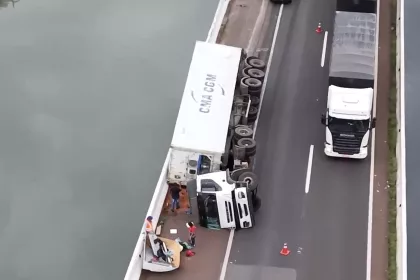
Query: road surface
{"points": [[412, 134], [328, 224]]}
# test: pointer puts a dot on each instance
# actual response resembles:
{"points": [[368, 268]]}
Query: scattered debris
{"points": [[158, 230]]}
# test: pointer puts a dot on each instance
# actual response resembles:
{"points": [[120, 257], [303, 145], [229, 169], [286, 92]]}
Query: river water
{"points": [[89, 94]]}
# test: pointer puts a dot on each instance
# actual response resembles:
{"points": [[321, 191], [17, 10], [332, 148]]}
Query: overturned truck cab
{"points": [[222, 202]]}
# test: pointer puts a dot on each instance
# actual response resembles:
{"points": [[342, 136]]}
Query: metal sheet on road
{"points": [[326, 228]]}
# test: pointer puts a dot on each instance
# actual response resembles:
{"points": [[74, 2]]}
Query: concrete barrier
{"points": [[136, 264], [401, 183], [217, 21]]}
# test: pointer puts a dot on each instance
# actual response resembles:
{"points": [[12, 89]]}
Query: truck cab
{"points": [[221, 201], [348, 122]]}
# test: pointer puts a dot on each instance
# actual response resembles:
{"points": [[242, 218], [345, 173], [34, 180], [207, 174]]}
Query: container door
{"points": [[178, 166]]}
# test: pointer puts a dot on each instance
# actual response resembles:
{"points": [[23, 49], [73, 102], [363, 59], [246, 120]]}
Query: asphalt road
{"points": [[412, 101], [329, 223]]}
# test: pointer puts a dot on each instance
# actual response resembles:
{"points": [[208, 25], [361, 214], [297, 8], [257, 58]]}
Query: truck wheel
{"points": [[248, 143], [250, 153], [243, 132], [255, 62], [256, 203], [252, 114], [245, 72], [254, 92], [251, 178], [253, 111], [255, 73], [255, 101], [253, 84]]}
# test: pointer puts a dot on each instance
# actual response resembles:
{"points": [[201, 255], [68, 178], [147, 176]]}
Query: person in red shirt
{"points": [[191, 231]]}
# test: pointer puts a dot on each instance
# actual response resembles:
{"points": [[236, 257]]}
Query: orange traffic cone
{"points": [[318, 28], [285, 251]]}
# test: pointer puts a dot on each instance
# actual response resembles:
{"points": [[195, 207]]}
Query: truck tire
{"points": [[255, 101], [255, 92], [248, 143], [244, 72], [247, 59], [251, 178], [253, 84], [243, 132], [250, 153], [252, 114], [255, 73], [250, 149], [256, 63]]}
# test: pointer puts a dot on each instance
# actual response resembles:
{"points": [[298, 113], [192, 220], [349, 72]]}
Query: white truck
{"points": [[210, 126], [207, 132], [348, 118]]}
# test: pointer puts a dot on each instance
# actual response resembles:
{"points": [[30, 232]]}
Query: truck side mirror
{"points": [[323, 119], [373, 123]]}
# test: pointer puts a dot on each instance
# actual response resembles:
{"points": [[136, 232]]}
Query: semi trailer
{"points": [[348, 118], [213, 123]]}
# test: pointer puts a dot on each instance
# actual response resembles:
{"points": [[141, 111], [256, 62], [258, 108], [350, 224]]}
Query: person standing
{"points": [[175, 193], [149, 225], [191, 232]]}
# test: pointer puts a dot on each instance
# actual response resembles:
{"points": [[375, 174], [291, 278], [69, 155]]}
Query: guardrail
{"points": [[136, 264], [401, 182]]}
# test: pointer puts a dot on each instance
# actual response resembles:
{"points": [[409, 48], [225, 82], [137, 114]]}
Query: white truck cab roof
{"points": [[350, 103]]}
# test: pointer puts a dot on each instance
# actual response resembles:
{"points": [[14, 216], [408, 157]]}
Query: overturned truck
{"points": [[213, 147]]}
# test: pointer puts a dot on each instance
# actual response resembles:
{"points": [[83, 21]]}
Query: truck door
{"points": [[244, 208]]}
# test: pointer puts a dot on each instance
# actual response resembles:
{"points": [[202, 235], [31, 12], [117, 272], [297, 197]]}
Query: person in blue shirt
{"points": [[175, 193]]}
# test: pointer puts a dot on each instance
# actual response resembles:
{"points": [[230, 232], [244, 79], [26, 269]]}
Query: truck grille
{"points": [[347, 143]]}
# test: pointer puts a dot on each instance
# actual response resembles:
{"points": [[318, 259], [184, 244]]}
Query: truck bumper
{"points": [[328, 150]]}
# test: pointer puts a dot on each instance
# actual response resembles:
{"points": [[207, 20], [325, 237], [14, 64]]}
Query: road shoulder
{"points": [[380, 188]]}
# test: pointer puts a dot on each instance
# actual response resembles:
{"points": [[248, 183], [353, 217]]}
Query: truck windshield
{"points": [[343, 125]]}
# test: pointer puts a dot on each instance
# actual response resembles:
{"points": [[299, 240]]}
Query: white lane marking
{"points": [[372, 155], [227, 254], [270, 58], [324, 49], [309, 170]]}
